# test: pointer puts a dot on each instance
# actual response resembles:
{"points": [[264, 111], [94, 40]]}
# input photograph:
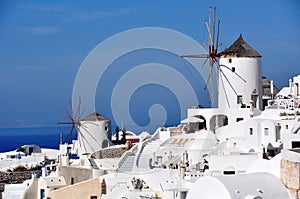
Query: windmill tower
{"points": [[95, 131], [241, 66]]}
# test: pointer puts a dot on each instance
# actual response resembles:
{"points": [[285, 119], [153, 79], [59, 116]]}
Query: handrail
{"points": [[126, 154], [117, 184], [143, 144]]}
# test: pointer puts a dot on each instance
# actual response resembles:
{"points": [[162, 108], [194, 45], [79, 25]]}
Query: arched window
{"points": [[218, 121], [104, 143]]}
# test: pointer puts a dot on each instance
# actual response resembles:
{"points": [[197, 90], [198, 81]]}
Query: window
{"points": [[69, 150], [266, 131], [286, 126], [251, 131], [106, 128], [230, 60], [42, 193], [72, 181], [277, 132], [295, 144], [233, 69], [228, 172], [239, 119], [239, 99], [93, 197]]}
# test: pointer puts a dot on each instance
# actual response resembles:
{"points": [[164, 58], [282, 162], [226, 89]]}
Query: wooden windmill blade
{"points": [[74, 118], [214, 26], [71, 122], [218, 34], [212, 47], [196, 56]]}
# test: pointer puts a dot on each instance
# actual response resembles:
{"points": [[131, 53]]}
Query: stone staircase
{"points": [[147, 153], [127, 164]]}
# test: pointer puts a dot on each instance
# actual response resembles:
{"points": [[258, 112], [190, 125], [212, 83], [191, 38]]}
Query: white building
{"points": [[240, 87], [241, 65], [214, 153], [248, 186], [93, 134]]}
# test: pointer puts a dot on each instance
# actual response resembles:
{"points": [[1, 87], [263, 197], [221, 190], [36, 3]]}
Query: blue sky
{"points": [[43, 43]]}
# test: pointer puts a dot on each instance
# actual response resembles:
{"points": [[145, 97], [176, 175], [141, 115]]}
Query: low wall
{"points": [[1, 189], [16, 177], [109, 153]]}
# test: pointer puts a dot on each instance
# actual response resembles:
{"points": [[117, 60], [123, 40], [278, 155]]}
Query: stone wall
{"points": [[109, 153], [1, 189], [14, 178], [290, 172]]}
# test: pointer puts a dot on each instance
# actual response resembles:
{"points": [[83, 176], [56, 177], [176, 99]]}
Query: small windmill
{"points": [[212, 55], [77, 124], [81, 127]]}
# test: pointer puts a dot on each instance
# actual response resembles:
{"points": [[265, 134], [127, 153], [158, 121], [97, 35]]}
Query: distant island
{"points": [[18, 124]]}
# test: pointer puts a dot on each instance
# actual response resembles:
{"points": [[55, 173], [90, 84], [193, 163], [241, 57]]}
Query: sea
{"points": [[45, 137]]}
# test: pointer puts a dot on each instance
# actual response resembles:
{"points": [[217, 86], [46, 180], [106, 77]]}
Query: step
{"points": [[127, 164]]}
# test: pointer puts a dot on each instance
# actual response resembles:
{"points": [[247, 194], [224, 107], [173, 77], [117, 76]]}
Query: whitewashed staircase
{"points": [[127, 164], [147, 153]]}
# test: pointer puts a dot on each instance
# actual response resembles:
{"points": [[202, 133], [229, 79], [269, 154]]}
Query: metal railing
{"points": [[126, 154]]}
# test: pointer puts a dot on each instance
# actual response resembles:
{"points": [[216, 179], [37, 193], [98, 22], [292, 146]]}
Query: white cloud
{"points": [[101, 14], [45, 7], [40, 29]]}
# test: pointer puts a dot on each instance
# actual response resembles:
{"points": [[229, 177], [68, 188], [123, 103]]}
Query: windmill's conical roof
{"points": [[240, 48], [95, 117]]}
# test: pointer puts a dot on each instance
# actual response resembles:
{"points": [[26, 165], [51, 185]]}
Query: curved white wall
{"points": [[205, 188], [92, 136], [249, 68]]}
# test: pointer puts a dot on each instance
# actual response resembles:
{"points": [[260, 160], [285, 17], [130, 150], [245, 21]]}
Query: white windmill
{"points": [[238, 70], [93, 132]]}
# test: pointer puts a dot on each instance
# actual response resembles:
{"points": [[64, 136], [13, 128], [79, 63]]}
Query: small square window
{"points": [[239, 99], [266, 132]]}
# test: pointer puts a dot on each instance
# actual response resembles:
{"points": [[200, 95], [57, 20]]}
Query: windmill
{"points": [[212, 55], [77, 126]]}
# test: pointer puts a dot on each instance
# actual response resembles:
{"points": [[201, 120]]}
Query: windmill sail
{"points": [[215, 72]]}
